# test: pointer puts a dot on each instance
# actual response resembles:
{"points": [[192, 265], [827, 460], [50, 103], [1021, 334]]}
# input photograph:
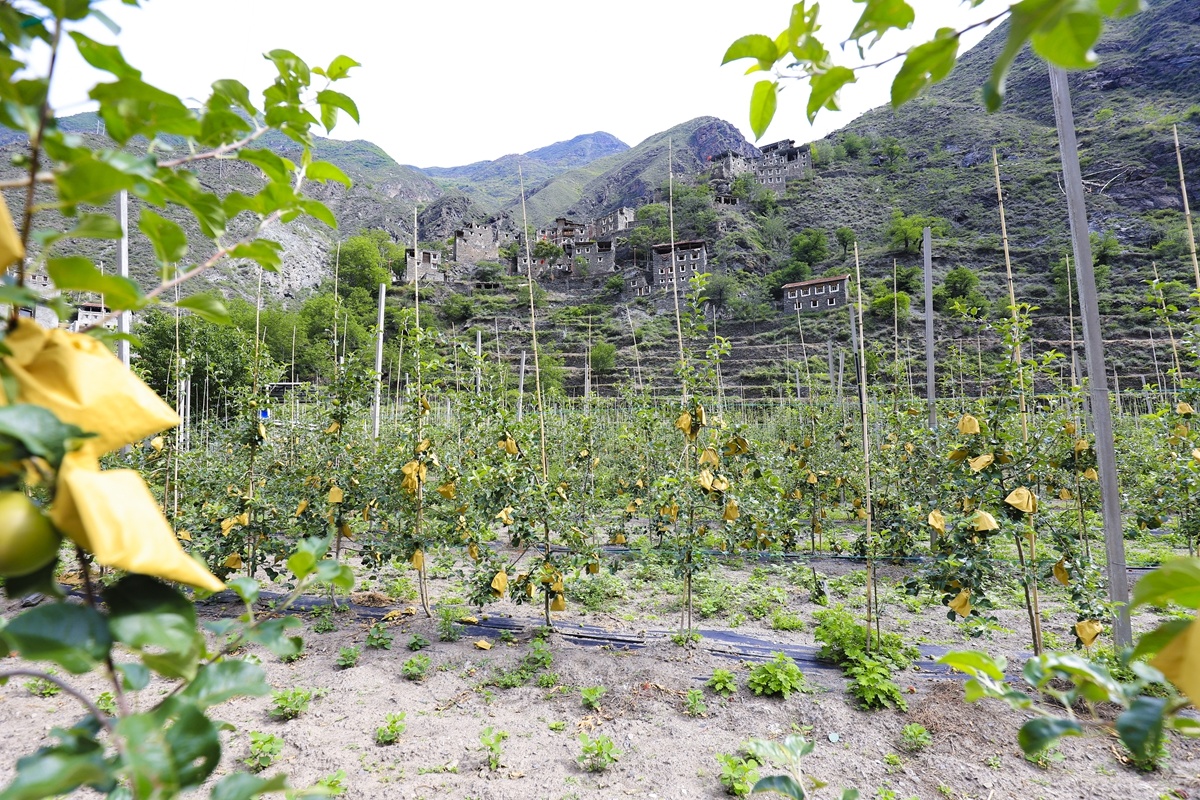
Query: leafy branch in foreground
{"points": [[69, 402], [1062, 32], [1062, 681]]}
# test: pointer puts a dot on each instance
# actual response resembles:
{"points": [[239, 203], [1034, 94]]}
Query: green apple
{"points": [[27, 539]]}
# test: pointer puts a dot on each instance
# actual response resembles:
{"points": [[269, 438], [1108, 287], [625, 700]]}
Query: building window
{"points": [[819, 290], [792, 293], [814, 304], [695, 256], [835, 288], [831, 302], [805, 292]]}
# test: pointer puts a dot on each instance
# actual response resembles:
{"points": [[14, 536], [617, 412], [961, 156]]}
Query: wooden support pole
{"points": [[378, 366], [1187, 209], [930, 381]]}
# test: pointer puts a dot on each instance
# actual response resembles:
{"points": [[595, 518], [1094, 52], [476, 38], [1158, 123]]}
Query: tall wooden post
{"points": [[124, 318], [930, 382], [1110, 491], [378, 366]]}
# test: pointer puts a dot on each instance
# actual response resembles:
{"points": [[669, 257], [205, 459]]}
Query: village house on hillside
{"points": [[818, 294], [780, 163], [474, 243], [424, 265], [691, 258]]}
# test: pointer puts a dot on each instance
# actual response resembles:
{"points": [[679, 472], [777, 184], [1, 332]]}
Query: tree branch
{"points": [[100, 716]]}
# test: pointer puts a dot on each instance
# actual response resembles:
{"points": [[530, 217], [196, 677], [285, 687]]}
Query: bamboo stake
{"points": [[674, 277], [1012, 300], [637, 361], [1162, 304], [861, 370], [422, 577], [537, 385], [1187, 209]]}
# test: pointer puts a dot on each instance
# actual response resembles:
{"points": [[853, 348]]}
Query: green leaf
{"points": [[79, 274], [225, 680], [169, 240], [104, 57], [90, 181], [785, 785], [1176, 581], [339, 67], [1141, 726], [237, 93], [319, 211], [272, 634], [95, 226], [303, 562], [275, 167], [880, 16], [330, 101], [74, 637], [39, 432], [1043, 732], [263, 251], [1068, 39], [246, 589], [335, 573], [195, 747], [244, 786], [131, 107], [1121, 8], [824, 88], [1151, 642], [209, 306], [1185, 726], [13, 295], [41, 580], [925, 64], [134, 676], [148, 766], [757, 46], [157, 621], [55, 771], [322, 171], [762, 106]]}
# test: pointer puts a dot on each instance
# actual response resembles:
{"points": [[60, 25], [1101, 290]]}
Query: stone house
{"points": [[818, 294], [423, 264], [474, 243], [564, 230], [691, 258], [607, 226], [635, 282], [91, 313], [600, 255], [781, 162]]}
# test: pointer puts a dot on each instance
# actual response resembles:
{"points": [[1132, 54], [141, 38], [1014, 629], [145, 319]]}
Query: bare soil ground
{"points": [[664, 751]]}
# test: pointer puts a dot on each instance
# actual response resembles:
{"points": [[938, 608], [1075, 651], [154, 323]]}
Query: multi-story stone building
{"points": [[423, 264], [781, 162], [600, 255], [474, 243], [691, 258], [564, 230], [608, 226], [635, 282], [818, 294]]}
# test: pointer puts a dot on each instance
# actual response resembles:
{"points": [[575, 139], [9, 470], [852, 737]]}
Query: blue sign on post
{"points": [[264, 413]]}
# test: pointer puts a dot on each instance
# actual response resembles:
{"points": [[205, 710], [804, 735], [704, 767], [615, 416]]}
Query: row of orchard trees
{"points": [[462, 471]]}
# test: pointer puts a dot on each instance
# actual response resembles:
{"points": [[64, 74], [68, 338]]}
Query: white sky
{"points": [[448, 82]]}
